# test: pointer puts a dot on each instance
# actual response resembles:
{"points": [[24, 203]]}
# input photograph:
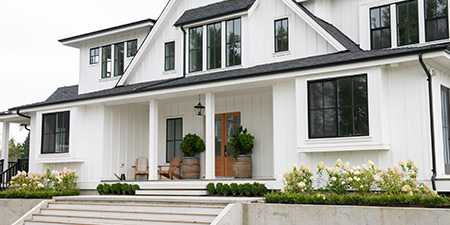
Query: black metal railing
{"points": [[5, 176], [1, 165]]}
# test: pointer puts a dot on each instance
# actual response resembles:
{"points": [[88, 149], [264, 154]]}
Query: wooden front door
{"points": [[225, 126]]}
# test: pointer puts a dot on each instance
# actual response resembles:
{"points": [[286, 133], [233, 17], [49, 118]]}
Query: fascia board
{"points": [[146, 43], [253, 8], [322, 32]]}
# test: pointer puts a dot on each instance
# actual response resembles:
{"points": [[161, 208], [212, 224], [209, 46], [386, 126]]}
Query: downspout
{"points": [[25, 116], [184, 66], [430, 99]]}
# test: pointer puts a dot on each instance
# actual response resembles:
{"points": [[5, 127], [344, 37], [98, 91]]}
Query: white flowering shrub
{"points": [[344, 177], [51, 180]]}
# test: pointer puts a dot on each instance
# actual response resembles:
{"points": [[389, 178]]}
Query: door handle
{"points": [[225, 152]]}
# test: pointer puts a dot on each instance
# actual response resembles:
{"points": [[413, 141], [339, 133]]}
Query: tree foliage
{"points": [[18, 150]]}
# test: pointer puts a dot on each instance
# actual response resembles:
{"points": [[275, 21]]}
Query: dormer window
{"points": [[195, 49], [411, 23], [118, 59], [234, 42], [131, 48], [106, 61], [214, 46], [94, 56]]}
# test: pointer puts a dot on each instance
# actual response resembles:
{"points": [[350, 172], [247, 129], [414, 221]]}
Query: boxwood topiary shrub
{"points": [[226, 190], [118, 189], [211, 188], [248, 189], [219, 187], [234, 189], [241, 189], [259, 189]]}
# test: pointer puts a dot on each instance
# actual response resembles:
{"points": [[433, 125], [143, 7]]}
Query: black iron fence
{"points": [[14, 167], [1, 165]]}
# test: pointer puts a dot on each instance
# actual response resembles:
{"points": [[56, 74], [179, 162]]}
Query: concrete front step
{"points": [[113, 220], [132, 207], [167, 192], [131, 214]]}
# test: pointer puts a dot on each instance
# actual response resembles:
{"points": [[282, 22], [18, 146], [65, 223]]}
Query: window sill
{"points": [[281, 54], [56, 158], [342, 145], [108, 79], [169, 72], [216, 70]]}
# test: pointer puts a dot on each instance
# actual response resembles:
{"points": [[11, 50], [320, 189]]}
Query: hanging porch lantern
{"points": [[199, 108]]}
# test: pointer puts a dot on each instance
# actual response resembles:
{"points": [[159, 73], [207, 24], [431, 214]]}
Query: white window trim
{"points": [[287, 52], [364, 9], [57, 157], [378, 132]]}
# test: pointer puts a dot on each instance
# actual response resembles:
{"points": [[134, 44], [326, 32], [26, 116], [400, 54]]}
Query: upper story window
{"points": [[233, 37], [412, 23], [195, 49], [436, 19], [407, 23], [338, 107], [106, 61], [169, 56], [131, 48], [94, 56], [214, 46], [118, 59], [281, 35], [380, 27], [55, 132]]}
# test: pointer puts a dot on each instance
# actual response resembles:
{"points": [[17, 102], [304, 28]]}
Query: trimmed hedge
{"points": [[37, 194], [403, 200], [247, 189], [117, 189]]}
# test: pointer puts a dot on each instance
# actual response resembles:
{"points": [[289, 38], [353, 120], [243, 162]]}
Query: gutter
{"points": [[184, 67], [25, 116], [430, 99]]}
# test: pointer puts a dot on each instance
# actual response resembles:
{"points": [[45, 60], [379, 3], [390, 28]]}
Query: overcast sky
{"points": [[33, 63]]}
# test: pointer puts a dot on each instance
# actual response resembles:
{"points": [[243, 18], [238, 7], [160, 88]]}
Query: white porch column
{"points": [[153, 140], [209, 136], [5, 144]]}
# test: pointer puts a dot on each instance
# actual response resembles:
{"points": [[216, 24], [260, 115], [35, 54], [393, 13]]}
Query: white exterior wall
{"points": [[90, 78], [257, 40]]}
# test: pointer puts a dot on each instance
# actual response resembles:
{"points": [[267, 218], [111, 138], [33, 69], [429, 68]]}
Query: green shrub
{"points": [[191, 145], [116, 188], [107, 189], [241, 189], [211, 188], [226, 190], [219, 187], [47, 194], [135, 188], [100, 189], [259, 189], [241, 142], [234, 189], [248, 189]]}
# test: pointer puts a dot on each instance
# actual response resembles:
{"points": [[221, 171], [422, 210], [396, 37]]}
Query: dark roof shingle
{"points": [[214, 10]]}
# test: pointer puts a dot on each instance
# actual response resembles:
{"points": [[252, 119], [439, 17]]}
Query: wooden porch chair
{"points": [[141, 167], [175, 163]]}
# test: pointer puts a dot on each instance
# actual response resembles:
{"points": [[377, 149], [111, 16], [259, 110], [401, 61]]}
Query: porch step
{"points": [[167, 192], [112, 210]]}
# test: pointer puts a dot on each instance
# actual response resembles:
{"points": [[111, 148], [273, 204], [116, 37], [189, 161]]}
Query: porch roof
{"points": [[70, 93]]}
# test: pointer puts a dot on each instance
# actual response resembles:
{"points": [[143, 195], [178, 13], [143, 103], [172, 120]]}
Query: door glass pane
{"points": [[218, 147]]}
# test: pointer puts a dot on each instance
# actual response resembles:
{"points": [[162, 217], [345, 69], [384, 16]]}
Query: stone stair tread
{"points": [[128, 212], [124, 219], [140, 205], [61, 222]]}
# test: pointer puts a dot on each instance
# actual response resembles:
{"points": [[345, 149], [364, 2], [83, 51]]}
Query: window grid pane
{"points": [[131, 48], [445, 111], [233, 48], [338, 107], [174, 131], [106, 61], [169, 61], [436, 20], [214, 46], [281, 35], [94, 56], [407, 23], [118, 59], [380, 27], [195, 49], [55, 133]]}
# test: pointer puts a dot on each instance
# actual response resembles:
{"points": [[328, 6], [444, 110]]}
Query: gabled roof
{"points": [[70, 94], [213, 11]]}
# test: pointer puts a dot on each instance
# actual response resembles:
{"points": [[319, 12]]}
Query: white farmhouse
{"points": [[312, 80]]}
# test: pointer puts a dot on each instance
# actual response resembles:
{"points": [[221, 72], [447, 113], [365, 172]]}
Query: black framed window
{"points": [[195, 49], [445, 110], [233, 37], [281, 35], [118, 59], [174, 136], [436, 19], [380, 27], [214, 45], [94, 56], [55, 132], [407, 23], [106, 61], [338, 107], [169, 56], [131, 48]]}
